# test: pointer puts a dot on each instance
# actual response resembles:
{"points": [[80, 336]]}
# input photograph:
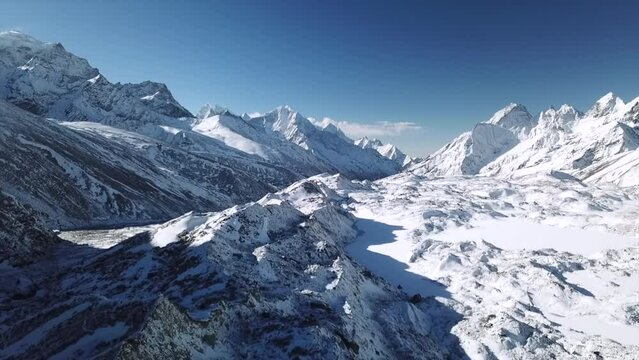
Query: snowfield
{"points": [[540, 267]]}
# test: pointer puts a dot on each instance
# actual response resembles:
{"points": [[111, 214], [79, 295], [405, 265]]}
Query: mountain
{"points": [[512, 143], [327, 144], [88, 174], [403, 267], [533, 253], [269, 279], [254, 139], [49, 81], [83, 151], [388, 151], [471, 151]]}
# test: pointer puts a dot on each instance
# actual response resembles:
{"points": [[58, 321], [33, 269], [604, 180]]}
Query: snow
{"points": [[94, 79], [595, 147], [169, 232], [388, 151], [537, 264], [103, 239], [515, 118], [599, 315], [149, 97], [382, 247], [214, 128], [520, 234], [347, 308], [621, 170]]}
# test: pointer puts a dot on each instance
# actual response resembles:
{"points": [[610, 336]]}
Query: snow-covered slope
{"points": [[328, 145], [388, 151], [511, 144], [541, 267], [269, 279], [621, 170], [81, 174], [411, 267], [245, 136], [468, 153]]}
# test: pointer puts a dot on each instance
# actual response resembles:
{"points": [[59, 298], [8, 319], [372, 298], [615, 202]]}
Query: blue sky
{"points": [[442, 65]]}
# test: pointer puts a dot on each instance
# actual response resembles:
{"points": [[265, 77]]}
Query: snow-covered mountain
{"points": [[405, 266], [129, 153], [286, 137], [88, 174], [327, 144], [252, 138], [388, 151], [513, 143], [269, 279], [47, 80]]}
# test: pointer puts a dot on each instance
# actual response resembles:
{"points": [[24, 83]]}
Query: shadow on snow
{"points": [[371, 233]]}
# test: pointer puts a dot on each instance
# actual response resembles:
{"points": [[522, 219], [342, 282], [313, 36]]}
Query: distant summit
{"points": [[598, 146], [388, 151]]}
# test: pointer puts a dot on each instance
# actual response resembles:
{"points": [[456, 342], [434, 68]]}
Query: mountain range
{"points": [[269, 235], [86, 152], [598, 146]]}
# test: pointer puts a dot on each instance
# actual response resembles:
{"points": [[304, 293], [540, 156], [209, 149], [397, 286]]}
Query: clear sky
{"points": [[442, 65]]}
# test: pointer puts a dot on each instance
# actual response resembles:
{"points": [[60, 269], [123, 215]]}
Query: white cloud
{"points": [[357, 130]]}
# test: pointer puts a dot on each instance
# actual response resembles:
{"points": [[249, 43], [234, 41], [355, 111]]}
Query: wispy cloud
{"points": [[357, 130]]}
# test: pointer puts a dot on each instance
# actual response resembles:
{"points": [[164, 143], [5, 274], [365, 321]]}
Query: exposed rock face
{"points": [[22, 238]]}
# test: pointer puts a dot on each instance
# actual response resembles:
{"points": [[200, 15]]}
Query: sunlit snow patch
{"points": [[170, 231], [521, 234]]}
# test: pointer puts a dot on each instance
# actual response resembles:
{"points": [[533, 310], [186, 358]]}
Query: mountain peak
{"points": [[607, 104], [562, 118], [366, 143], [608, 97], [567, 108], [207, 111], [284, 109], [514, 117], [56, 83]]}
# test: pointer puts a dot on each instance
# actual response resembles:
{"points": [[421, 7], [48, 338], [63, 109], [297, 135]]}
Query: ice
{"points": [[519, 234]]}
